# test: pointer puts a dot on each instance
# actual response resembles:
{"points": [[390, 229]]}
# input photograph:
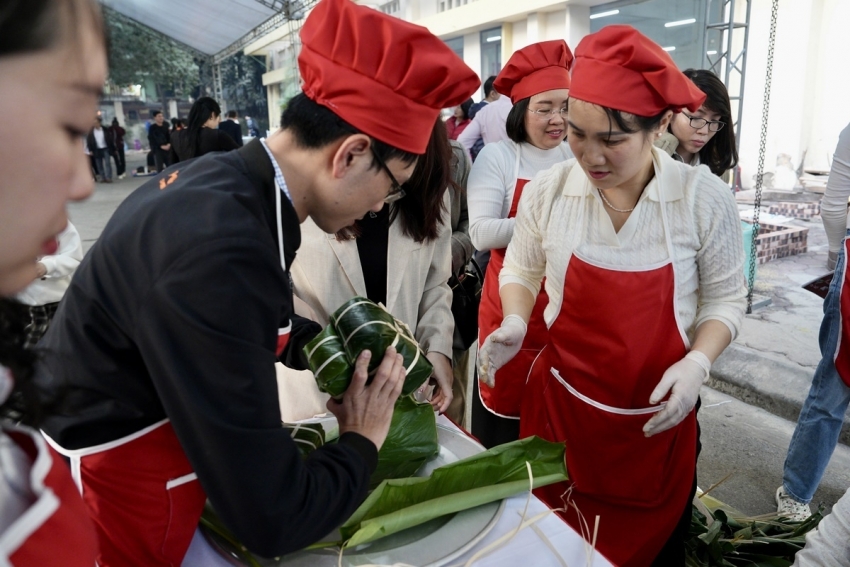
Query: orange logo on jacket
{"points": [[163, 183]]}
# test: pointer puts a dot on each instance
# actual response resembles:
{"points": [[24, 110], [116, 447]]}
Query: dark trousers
{"points": [[120, 162], [160, 157], [489, 428]]}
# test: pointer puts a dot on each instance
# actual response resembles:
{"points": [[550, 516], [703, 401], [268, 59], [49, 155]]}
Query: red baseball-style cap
{"points": [[618, 67], [534, 69], [386, 77]]}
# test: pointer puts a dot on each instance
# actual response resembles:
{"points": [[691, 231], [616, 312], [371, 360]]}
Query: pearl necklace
{"points": [[607, 202]]}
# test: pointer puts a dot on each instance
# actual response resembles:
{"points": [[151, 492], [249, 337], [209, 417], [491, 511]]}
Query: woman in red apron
{"points": [[537, 80], [643, 262], [52, 67]]}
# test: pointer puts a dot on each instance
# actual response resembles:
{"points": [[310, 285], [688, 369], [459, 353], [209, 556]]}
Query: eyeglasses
{"points": [[397, 192], [549, 114], [696, 123]]}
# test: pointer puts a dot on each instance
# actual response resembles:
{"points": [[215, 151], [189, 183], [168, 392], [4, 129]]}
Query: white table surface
{"points": [[527, 548]]}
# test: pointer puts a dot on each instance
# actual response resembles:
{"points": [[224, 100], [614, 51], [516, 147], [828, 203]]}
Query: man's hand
{"points": [[500, 347], [40, 270], [368, 410], [443, 377], [166, 147]]}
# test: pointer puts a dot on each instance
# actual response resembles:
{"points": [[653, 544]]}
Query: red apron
{"points": [[55, 531], [505, 398], [615, 335], [842, 351]]}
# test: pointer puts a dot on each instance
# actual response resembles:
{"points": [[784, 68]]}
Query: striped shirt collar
{"points": [[278, 174]]}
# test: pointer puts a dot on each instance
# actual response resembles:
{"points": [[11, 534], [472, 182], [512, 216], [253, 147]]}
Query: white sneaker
{"points": [[788, 507]]}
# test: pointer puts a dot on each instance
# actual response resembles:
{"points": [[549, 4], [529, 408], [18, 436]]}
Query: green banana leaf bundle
{"points": [[399, 504], [411, 441], [358, 325], [730, 540]]}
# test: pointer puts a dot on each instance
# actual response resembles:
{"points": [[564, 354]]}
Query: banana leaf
{"points": [[411, 441], [486, 477], [358, 325], [733, 540]]}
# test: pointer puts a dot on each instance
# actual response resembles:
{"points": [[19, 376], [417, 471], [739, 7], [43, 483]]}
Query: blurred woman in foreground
{"points": [[52, 70]]}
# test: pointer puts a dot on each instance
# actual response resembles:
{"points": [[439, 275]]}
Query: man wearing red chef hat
{"points": [[165, 344], [643, 262]]}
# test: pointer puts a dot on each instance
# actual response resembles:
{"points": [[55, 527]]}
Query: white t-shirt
{"points": [[833, 206]]}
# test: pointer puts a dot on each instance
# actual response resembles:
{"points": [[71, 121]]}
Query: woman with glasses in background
{"points": [[537, 80], [705, 136], [400, 257]]}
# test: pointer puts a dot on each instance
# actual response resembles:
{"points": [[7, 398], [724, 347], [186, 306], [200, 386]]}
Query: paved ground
{"points": [[767, 371]]}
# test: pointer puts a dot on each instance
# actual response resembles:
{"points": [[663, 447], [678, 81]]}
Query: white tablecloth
{"points": [[527, 548]]}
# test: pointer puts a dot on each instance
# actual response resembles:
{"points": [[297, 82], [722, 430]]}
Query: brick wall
{"points": [[779, 241]]}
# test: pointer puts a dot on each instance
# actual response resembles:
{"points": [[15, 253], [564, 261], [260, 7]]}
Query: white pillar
{"points": [[119, 112], [172, 108], [577, 24], [532, 29], [472, 52]]}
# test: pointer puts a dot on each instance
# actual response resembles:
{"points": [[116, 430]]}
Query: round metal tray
{"points": [[430, 544]]}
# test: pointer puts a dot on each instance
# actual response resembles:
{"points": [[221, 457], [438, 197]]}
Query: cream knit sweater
{"points": [[560, 211]]}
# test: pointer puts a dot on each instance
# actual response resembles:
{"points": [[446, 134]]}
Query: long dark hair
{"points": [[203, 109], [28, 26], [720, 153], [420, 211]]}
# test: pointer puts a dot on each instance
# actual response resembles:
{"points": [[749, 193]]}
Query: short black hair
{"points": [[515, 124], [465, 106], [488, 85], [155, 113], [232, 114], [314, 126]]}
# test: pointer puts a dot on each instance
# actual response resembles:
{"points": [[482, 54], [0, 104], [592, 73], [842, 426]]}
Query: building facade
{"points": [[809, 84]]}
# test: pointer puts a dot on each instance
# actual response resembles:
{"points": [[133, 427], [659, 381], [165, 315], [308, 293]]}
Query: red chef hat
{"points": [[535, 68], [384, 76], [620, 68]]}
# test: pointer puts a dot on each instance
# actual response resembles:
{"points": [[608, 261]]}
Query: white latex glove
{"points": [[831, 260], [500, 347], [683, 380]]}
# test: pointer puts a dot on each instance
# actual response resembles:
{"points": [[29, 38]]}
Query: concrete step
{"points": [[763, 380]]}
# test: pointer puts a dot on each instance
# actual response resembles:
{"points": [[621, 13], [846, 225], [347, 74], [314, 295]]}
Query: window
{"points": [[456, 45], [391, 7], [676, 25], [491, 52]]}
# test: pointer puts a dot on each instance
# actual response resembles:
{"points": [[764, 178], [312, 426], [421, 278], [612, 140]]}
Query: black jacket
{"points": [[233, 129], [174, 313], [108, 136], [158, 136], [210, 140]]}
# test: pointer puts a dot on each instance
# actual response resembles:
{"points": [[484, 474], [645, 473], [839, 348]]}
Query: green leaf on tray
{"points": [[399, 504], [358, 325], [411, 441]]}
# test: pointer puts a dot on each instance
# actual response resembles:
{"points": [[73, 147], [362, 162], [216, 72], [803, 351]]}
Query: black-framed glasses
{"points": [[549, 114], [397, 191], [713, 125]]}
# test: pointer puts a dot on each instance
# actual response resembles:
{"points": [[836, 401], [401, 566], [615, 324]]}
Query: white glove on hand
{"points": [[500, 347], [683, 380]]}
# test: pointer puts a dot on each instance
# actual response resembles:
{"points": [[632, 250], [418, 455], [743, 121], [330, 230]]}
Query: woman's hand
{"points": [[443, 376], [500, 347], [683, 381]]}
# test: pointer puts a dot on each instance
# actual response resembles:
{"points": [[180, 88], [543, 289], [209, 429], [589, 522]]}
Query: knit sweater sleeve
{"points": [[487, 191], [834, 203], [720, 257], [525, 260]]}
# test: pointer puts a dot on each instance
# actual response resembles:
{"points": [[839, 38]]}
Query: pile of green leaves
{"points": [[411, 441], [358, 325], [495, 474], [723, 539]]}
